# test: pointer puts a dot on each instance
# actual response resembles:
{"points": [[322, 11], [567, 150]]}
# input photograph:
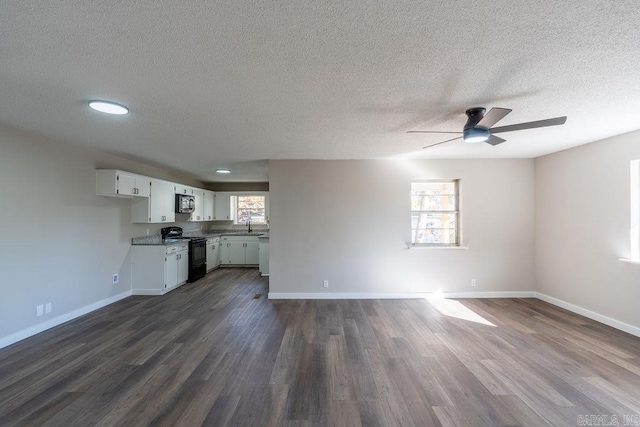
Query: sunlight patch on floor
{"points": [[453, 308]]}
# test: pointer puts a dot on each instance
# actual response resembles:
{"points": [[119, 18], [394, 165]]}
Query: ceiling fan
{"points": [[479, 126]]}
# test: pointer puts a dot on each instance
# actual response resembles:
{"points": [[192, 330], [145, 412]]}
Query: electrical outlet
{"points": [[325, 283], [47, 308], [473, 282], [39, 310], [115, 278], [147, 231]]}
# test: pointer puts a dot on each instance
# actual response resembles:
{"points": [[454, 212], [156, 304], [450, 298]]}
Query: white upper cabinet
{"points": [[153, 200], [159, 207], [182, 189], [222, 206], [113, 182], [198, 213], [207, 214]]}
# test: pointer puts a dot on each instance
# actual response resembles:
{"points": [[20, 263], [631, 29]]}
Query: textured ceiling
{"points": [[235, 83]]}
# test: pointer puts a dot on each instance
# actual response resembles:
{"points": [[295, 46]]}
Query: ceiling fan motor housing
{"points": [[474, 116]]}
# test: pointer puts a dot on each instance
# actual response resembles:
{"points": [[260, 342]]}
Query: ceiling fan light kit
{"points": [[479, 126], [475, 135]]}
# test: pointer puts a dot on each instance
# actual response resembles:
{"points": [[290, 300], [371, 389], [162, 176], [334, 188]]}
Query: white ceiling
{"points": [[235, 83]]}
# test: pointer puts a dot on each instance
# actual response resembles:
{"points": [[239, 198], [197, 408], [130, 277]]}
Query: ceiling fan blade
{"points": [[429, 131], [438, 143], [530, 125], [494, 140], [493, 116]]}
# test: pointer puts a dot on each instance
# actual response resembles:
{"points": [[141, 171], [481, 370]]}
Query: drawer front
{"points": [[212, 240], [172, 249]]}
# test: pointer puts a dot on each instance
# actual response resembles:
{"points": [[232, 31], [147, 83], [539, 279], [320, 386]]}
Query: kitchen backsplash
{"points": [[191, 227]]}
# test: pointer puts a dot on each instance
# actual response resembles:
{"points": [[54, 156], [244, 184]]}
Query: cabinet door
{"points": [[156, 202], [158, 207], [171, 271], [169, 202], [210, 255], [222, 206], [126, 184], [143, 186], [237, 252], [216, 255], [208, 206], [251, 252], [225, 253], [164, 191], [183, 266], [197, 214], [181, 189], [263, 245]]}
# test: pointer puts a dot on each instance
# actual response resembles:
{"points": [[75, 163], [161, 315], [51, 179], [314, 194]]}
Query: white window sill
{"points": [[436, 247], [630, 261]]}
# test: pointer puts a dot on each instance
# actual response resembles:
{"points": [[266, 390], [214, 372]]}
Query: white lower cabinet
{"points": [[157, 269], [239, 250], [263, 245], [213, 253]]}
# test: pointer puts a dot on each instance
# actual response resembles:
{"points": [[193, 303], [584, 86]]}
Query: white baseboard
{"points": [[41, 327], [147, 292], [625, 327], [410, 295]]}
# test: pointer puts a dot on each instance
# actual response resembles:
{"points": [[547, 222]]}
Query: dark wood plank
{"points": [[210, 353]]}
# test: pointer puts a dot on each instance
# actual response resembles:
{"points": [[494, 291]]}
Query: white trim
{"points": [[436, 247], [410, 295], [147, 292], [625, 327], [33, 330], [630, 261], [505, 294]]}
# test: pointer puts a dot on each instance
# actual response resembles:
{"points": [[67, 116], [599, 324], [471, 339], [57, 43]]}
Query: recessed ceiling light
{"points": [[108, 107], [223, 171]]}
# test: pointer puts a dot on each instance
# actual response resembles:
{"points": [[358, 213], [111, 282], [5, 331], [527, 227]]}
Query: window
{"points": [[249, 208], [434, 213]]}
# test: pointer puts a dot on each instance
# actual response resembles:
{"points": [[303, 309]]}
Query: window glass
{"points": [[250, 208], [434, 213]]}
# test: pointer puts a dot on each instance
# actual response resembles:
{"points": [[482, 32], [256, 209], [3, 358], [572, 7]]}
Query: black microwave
{"points": [[185, 204]]}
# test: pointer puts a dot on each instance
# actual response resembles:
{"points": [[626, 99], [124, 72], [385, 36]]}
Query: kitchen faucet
{"points": [[248, 224]]}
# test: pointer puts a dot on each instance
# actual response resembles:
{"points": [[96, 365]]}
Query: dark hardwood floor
{"points": [[217, 353]]}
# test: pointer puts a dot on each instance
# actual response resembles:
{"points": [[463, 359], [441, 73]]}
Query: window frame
{"points": [[233, 205], [634, 214], [456, 211]]}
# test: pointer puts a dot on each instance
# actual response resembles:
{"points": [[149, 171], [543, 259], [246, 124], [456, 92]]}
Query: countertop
{"points": [[158, 241]]}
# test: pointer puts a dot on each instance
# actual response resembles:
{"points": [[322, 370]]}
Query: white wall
{"points": [[60, 242], [349, 222], [582, 227]]}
